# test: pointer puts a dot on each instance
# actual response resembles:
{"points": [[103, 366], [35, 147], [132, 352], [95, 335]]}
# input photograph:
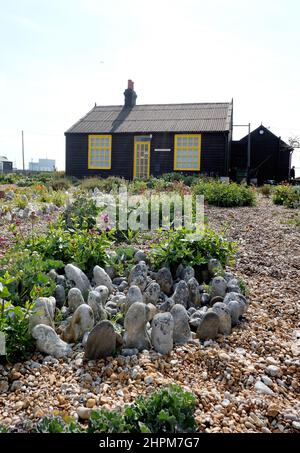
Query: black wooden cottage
{"points": [[136, 141], [270, 157]]}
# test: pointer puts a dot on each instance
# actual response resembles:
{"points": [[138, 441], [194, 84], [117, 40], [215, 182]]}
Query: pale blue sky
{"points": [[59, 57]]}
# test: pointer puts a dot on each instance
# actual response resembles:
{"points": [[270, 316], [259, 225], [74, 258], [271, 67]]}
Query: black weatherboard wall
{"points": [[213, 155]]}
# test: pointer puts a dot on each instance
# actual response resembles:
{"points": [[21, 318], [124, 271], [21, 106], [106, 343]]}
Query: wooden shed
{"points": [[136, 141], [270, 157]]}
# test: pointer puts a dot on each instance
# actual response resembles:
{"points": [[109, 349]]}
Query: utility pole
{"points": [[23, 157]]}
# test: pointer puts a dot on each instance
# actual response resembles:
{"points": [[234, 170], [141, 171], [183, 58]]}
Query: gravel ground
{"points": [[227, 376]]}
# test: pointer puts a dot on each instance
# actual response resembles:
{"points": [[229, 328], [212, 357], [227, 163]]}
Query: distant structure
{"points": [[6, 166], [42, 165]]}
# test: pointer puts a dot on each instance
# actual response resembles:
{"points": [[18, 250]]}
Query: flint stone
{"points": [[235, 312], [118, 280], [101, 278], [182, 331], [129, 352], [134, 295], [103, 291], [205, 299], [187, 273], [48, 342], [152, 293], [181, 294], [82, 321], [123, 286], [138, 275], [101, 342], [140, 256], [60, 296], [165, 280], [75, 299], [218, 287], [166, 305], [233, 286], [61, 280], [162, 333], [152, 312], [194, 292], [208, 328], [76, 276], [224, 316], [43, 312], [95, 301], [135, 324], [238, 298]]}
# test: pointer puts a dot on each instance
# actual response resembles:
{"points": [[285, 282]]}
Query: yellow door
{"points": [[141, 160]]}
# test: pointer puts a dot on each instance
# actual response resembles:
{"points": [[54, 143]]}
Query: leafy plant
{"points": [[106, 421], [226, 195], [183, 246], [59, 425], [60, 184], [14, 324], [266, 190], [3, 429], [81, 214], [281, 194]]}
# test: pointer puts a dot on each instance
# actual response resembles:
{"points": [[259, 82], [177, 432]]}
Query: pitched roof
{"points": [[209, 117], [283, 145]]}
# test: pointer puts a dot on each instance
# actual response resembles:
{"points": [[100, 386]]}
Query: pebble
{"points": [[296, 425], [264, 389], [83, 413]]}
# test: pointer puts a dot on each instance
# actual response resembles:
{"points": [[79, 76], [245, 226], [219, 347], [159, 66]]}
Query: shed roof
{"points": [[206, 117]]}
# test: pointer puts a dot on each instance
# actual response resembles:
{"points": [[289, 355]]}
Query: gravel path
{"points": [[227, 376]]}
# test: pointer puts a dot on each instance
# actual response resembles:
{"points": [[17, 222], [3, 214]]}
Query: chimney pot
{"points": [[130, 95], [130, 85]]}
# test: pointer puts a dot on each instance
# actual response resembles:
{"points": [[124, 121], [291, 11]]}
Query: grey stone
{"points": [[152, 311], [273, 370], [165, 280], [60, 296], [205, 299], [235, 311], [218, 287], [209, 326], [135, 323], [260, 387], [191, 311], [138, 275], [78, 278], [101, 278], [43, 312], [123, 286], [182, 331], [95, 302], [166, 305], [104, 293], [233, 286], [162, 333], [134, 295], [228, 276], [61, 280], [118, 280], [140, 256], [82, 321], [75, 299], [214, 266], [48, 342], [10, 195], [242, 301], [53, 275], [225, 319], [181, 294], [151, 295], [101, 341], [187, 274], [194, 292]]}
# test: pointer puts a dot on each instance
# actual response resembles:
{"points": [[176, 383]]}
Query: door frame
{"points": [[139, 142]]}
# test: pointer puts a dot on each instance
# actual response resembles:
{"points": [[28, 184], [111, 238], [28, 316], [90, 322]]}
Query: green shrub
{"points": [[183, 246], [81, 214], [14, 324], [58, 425], [226, 195], [285, 195], [3, 429], [168, 410], [60, 184], [112, 183]]}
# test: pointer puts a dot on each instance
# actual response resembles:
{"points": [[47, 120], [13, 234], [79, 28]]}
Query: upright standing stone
{"points": [[151, 295], [101, 278], [165, 280], [135, 324], [182, 331], [60, 296], [96, 303], [218, 287], [162, 333], [48, 342], [138, 275], [194, 293], [75, 299], [101, 341], [208, 328], [224, 316], [181, 294], [43, 312], [82, 321], [78, 278], [134, 294]]}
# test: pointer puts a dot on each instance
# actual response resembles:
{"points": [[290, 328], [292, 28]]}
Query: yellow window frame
{"points": [[199, 136], [136, 143], [93, 167]]}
